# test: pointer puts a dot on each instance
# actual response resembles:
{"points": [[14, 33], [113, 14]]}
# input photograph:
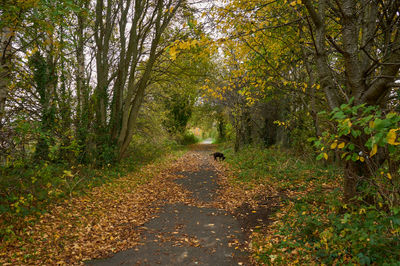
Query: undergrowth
{"points": [[26, 190], [313, 226]]}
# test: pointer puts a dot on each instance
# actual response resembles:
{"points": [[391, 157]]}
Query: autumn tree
{"points": [[347, 49], [140, 46], [365, 39], [264, 60], [12, 20]]}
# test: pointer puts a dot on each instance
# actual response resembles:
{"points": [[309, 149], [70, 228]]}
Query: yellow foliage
{"points": [[172, 53], [391, 137], [371, 124], [374, 150]]}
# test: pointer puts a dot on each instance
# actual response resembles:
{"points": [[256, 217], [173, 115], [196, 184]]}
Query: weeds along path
{"points": [[179, 211]]}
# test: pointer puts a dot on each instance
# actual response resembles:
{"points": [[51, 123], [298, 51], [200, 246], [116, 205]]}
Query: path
{"points": [[185, 233], [207, 141]]}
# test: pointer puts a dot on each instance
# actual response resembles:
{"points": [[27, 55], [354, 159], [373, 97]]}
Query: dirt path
{"points": [[194, 231]]}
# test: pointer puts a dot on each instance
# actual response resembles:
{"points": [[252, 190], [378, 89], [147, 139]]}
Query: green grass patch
{"points": [[313, 226]]}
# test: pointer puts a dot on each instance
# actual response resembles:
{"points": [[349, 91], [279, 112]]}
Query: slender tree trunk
{"points": [[80, 60], [45, 79], [82, 119], [133, 103], [311, 85], [321, 56], [221, 127], [5, 71], [104, 27]]}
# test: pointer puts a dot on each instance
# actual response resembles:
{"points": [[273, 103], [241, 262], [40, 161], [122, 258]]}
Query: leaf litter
{"points": [[109, 218], [100, 223]]}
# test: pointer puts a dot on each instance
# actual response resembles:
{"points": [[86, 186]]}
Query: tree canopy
{"points": [[84, 83]]}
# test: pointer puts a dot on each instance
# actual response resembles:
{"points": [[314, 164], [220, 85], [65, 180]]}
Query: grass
{"points": [[313, 226]]}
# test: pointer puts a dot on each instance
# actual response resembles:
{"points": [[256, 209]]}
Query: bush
{"points": [[189, 138], [313, 226]]}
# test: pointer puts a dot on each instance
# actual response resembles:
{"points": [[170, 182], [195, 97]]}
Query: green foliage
{"points": [[318, 225], [189, 138], [312, 225], [367, 137], [179, 107], [361, 129], [44, 77]]}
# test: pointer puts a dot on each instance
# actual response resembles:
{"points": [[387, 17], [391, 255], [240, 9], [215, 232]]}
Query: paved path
{"points": [[184, 234], [207, 141]]}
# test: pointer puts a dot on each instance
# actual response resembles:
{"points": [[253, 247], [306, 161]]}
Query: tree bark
{"points": [[6, 36], [325, 76]]}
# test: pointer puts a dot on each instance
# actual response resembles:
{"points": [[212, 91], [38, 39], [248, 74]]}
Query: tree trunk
{"points": [[351, 178], [82, 119], [136, 91], [5, 71], [221, 127], [311, 85], [45, 79]]}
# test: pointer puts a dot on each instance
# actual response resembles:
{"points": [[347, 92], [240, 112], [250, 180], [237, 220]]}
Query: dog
{"points": [[218, 156]]}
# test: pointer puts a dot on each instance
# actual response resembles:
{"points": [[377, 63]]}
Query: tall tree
{"points": [[140, 39], [365, 36]]}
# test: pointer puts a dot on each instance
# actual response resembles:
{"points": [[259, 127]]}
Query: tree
{"points": [[139, 51], [11, 21], [367, 54], [45, 80], [347, 48]]}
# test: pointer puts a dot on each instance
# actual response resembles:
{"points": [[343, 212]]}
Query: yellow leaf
{"points": [[333, 146], [348, 122], [325, 156], [362, 159], [391, 137], [374, 150], [371, 124], [389, 176], [341, 145], [172, 53]]}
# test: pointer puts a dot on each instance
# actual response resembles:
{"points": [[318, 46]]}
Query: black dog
{"points": [[218, 155]]}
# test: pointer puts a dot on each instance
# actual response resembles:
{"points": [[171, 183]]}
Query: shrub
{"points": [[189, 138]]}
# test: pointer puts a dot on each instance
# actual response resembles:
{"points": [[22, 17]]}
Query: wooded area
{"points": [[87, 86]]}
